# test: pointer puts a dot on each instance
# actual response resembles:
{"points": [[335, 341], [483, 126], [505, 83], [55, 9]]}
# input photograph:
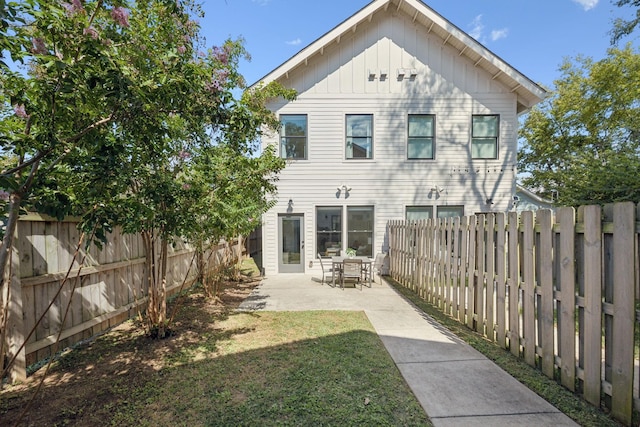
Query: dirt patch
{"points": [[87, 382]]}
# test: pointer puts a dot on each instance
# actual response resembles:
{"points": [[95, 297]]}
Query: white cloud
{"points": [[499, 34], [477, 31], [587, 4], [477, 27], [295, 42]]}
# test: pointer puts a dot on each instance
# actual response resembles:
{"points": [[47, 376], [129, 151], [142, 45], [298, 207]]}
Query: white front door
{"points": [[290, 243]]}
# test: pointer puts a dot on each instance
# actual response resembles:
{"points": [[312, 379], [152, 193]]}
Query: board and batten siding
{"points": [[446, 84]]}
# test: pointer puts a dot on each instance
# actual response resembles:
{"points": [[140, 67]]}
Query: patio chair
{"points": [[326, 266], [377, 265], [351, 270]]}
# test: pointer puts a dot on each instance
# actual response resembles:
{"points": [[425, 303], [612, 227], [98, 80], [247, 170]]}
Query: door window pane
{"points": [[328, 230], [359, 136], [293, 137], [360, 229], [420, 136], [484, 137], [291, 240]]}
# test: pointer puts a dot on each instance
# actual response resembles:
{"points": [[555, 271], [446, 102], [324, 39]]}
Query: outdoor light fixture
{"points": [[343, 189]]}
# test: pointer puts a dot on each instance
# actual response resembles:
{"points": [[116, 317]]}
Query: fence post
{"points": [[15, 319]]}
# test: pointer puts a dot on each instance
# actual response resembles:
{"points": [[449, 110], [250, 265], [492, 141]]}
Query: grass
{"points": [[279, 368], [566, 401], [226, 368]]}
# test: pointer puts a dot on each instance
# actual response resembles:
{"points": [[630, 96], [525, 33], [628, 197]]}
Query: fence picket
{"points": [[479, 288], [624, 312], [472, 273], [529, 288], [501, 284], [514, 285], [490, 276], [566, 305], [455, 271], [591, 312], [465, 277], [544, 261]]}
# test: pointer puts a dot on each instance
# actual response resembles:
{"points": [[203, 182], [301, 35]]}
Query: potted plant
{"points": [[351, 252]]}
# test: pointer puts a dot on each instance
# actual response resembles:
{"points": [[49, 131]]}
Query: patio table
{"points": [[336, 263]]}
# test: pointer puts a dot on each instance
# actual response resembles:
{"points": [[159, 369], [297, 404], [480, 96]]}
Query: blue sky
{"points": [[534, 36]]}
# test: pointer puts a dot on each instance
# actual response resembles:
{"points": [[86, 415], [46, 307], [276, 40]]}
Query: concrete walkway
{"points": [[455, 384]]}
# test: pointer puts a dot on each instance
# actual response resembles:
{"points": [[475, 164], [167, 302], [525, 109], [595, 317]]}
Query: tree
{"points": [[624, 27], [114, 97], [583, 142]]}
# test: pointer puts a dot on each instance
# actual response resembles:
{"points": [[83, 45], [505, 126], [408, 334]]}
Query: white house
{"points": [[527, 200], [400, 114]]}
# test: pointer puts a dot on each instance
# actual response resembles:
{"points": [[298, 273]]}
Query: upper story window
{"points": [[293, 136], [359, 136], [484, 136], [420, 136]]}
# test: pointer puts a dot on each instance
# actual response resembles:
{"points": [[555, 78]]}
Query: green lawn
{"points": [[278, 368]]}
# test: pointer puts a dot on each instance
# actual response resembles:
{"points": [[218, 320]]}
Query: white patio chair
{"points": [[326, 266], [377, 265]]}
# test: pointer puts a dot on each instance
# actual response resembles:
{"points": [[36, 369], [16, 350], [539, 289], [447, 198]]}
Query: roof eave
{"points": [[528, 93]]}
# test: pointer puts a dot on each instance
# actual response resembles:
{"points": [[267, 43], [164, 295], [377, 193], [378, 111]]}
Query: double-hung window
{"points": [[421, 132], [484, 136], [328, 230], [359, 136], [293, 136], [360, 229]]}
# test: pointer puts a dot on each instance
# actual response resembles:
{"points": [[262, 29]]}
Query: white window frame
{"points": [[284, 137], [421, 138], [480, 142], [350, 138]]}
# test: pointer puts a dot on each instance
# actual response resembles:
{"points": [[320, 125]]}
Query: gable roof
{"points": [[528, 92]]}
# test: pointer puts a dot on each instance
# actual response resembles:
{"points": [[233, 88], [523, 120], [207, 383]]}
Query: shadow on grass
{"points": [[306, 368]]}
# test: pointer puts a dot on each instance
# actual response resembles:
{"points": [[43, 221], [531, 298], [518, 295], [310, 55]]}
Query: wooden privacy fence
{"points": [[559, 291], [110, 287]]}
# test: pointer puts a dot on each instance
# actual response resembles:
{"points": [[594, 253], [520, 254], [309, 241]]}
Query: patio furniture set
{"points": [[357, 269]]}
